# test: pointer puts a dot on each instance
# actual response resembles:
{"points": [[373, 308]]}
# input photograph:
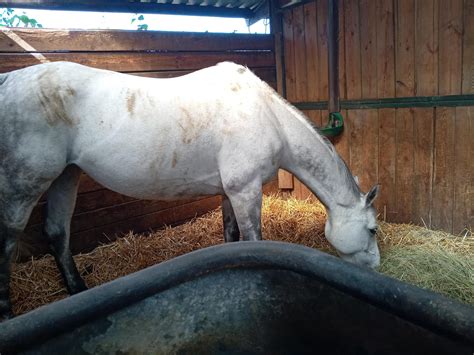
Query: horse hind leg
{"points": [[59, 209], [8, 236], [15, 209], [231, 228]]}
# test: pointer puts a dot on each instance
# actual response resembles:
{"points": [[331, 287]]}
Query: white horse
{"points": [[220, 130]]}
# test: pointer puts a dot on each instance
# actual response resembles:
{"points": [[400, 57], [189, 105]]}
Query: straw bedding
{"points": [[430, 259]]}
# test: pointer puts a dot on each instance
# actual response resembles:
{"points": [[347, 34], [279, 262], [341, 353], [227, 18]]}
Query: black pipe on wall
{"points": [[333, 56]]}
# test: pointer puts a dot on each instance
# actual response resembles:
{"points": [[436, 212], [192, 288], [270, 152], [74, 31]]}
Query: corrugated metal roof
{"points": [[225, 8]]}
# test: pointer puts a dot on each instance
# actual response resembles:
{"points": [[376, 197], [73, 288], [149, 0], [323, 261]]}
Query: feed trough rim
{"points": [[422, 307]]}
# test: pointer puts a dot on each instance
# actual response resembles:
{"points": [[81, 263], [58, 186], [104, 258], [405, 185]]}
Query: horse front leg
{"points": [[231, 228], [246, 202], [59, 209]]}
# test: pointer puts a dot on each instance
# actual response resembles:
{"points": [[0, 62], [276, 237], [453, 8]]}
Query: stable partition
{"points": [[406, 79]]}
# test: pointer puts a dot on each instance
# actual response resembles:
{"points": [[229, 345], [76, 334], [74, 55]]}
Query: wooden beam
{"points": [[49, 40], [128, 62]]}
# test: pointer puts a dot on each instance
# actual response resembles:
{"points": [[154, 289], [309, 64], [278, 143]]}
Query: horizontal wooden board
{"points": [[50, 40], [87, 240], [85, 202], [128, 62], [266, 74]]}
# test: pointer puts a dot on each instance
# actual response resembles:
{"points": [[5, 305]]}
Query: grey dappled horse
{"points": [[220, 130]]}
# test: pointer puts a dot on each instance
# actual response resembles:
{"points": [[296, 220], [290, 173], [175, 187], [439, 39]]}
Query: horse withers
{"points": [[219, 130]]}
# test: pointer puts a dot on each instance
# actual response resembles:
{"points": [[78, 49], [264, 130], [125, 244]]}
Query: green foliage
{"points": [[8, 18], [140, 26]]}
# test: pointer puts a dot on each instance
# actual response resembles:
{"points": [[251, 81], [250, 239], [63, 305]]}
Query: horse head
{"points": [[352, 229]]}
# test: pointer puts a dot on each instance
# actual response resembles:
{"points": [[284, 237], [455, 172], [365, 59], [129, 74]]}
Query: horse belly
{"points": [[164, 176]]}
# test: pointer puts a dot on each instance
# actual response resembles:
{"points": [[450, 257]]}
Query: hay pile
{"points": [[434, 260]]}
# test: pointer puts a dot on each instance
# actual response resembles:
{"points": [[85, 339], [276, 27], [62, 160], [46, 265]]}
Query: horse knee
{"points": [[57, 238], [247, 209]]}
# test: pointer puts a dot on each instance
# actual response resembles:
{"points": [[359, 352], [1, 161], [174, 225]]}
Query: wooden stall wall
{"points": [[422, 156], [100, 214]]}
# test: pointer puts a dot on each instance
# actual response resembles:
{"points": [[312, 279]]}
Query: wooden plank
{"points": [[285, 179], [450, 47], [463, 205], [315, 116], [468, 48], [342, 142], [450, 81], [387, 143], [276, 28], [404, 165], [126, 62], [100, 216], [342, 52], [87, 240], [47, 40], [322, 23], [271, 187], [301, 77], [385, 49], [368, 48], [364, 148], [352, 49], [423, 165], [85, 202], [426, 47], [117, 213], [405, 50], [87, 184], [267, 74], [311, 53], [385, 67], [290, 71], [404, 125], [444, 163]]}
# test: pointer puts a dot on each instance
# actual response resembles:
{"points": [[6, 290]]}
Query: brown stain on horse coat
{"points": [[131, 102], [235, 87], [53, 98], [191, 125], [175, 160]]}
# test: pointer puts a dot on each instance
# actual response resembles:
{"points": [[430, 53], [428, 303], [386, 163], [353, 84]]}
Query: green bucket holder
{"points": [[335, 125]]}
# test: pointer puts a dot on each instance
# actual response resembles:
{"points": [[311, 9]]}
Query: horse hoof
{"points": [[77, 287]]}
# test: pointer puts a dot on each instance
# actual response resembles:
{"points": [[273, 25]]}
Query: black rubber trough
{"points": [[247, 298]]}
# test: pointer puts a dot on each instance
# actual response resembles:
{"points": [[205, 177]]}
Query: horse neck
{"points": [[314, 161]]}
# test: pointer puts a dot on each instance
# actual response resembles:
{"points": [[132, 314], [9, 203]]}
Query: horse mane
{"points": [[341, 164]]}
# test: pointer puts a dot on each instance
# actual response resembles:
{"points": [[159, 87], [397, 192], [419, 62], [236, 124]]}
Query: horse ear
{"points": [[371, 195], [356, 179]]}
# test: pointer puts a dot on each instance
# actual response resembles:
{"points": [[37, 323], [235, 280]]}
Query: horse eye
{"points": [[373, 231]]}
